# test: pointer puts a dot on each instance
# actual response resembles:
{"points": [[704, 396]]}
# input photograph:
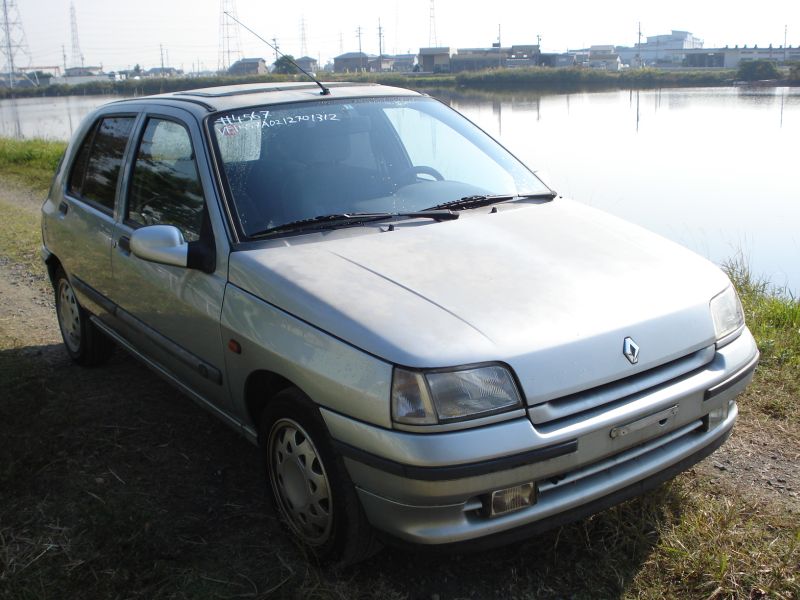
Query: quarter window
{"points": [[96, 170], [165, 187]]}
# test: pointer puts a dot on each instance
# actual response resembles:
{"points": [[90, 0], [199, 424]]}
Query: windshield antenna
{"points": [[325, 91]]}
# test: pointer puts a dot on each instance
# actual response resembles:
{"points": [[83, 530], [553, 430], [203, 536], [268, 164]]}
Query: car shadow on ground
{"points": [[114, 484]]}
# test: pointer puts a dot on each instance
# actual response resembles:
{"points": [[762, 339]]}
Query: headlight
{"points": [[428, 398], [726, 310]]}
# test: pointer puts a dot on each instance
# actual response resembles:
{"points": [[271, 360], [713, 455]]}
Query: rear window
{"points": [[95, 171]]}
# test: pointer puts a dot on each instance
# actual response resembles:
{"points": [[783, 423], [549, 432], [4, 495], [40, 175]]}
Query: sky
{"points": [[119, 34]]}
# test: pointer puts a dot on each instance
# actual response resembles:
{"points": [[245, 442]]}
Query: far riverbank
{"points": [[540, 79]]}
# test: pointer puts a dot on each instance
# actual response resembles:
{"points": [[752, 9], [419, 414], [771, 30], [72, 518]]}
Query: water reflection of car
{"points": [[425, 341]]}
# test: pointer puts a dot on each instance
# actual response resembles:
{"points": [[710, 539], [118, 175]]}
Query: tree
{"points": [[755, 70], [794, 71], [284, 65]]}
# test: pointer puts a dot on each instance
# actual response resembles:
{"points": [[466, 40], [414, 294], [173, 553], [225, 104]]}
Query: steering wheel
{"points": [[422, 170]]}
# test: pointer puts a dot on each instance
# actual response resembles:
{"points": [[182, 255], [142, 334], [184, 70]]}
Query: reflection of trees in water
{"points": [[105, 160], [167, 194]]}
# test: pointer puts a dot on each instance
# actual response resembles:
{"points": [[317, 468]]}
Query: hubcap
{"points": [[299, 481], [69, 316]]}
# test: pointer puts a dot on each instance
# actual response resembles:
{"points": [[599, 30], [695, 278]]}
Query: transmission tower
{"points": [[303, 41], [12, 36], [433, 41], [77, 55], [230, 47]]}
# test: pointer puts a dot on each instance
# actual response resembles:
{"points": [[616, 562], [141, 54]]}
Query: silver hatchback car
{"points": [[426, 342]]}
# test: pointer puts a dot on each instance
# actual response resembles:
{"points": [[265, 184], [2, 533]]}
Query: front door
{"points": [[172, 312]]}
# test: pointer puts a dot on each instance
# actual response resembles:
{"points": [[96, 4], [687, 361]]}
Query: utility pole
{"points": [[639, 47], [64, 58], [275, 46], [499, 48], [380, 46], [161, 47], [360, 54]]}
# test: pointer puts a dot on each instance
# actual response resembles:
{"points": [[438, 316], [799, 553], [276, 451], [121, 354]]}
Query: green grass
{"points": [[21, 238], [773, 316], [32, 162]]}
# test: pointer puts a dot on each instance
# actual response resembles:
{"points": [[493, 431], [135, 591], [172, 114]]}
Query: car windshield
{"points": [[294, 162]]}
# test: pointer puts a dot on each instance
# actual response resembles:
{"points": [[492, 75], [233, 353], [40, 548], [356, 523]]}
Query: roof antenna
{"points": [[325, 91]]}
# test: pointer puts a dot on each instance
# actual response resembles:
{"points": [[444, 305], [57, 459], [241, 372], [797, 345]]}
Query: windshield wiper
{"points": [[356, 218], [486, 199]]}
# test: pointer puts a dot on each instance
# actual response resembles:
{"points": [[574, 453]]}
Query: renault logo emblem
{"points": [[631, 350]]}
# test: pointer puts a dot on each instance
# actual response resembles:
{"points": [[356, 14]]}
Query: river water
{"points": [[715, 169]]}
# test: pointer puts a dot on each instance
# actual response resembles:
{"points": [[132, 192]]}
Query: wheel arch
{"points": [[260, 387], [52, 263]]}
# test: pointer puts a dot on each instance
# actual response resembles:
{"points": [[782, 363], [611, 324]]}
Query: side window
{"points": [[79, 166], [165, 187], [96, 169]]}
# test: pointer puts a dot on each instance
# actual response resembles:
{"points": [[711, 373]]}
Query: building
{"points": [[604, 58], [308, 64], [730, 58], [404, 63], [352, 62], [660, 49], [249, 66], [434, 60], [163, 72], [523, 56], [477, 59]]}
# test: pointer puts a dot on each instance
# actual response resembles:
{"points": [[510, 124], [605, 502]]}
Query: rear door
{"points": [[172, 313], [85, 218]]}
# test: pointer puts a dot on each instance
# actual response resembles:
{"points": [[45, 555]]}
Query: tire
{"points": [[308, 483], [85, 344]]}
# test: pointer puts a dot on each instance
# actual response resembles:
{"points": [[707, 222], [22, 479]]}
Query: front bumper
{"points": [[432, 488]]}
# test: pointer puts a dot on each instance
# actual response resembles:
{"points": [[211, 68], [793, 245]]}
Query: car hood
{"points": [[550, 289]]}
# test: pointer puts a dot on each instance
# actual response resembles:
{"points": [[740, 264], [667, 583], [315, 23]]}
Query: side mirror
{"points": [[161, 244]]}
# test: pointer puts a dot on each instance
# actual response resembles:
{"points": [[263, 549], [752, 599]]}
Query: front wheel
{"points": [[309, 484]]}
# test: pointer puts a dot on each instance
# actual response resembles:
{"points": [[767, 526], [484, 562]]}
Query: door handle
{"points": [[63, 207], [125, 244]]}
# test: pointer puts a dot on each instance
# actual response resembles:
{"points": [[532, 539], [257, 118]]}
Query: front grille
{"points": [[556, 413], [619, 462]]}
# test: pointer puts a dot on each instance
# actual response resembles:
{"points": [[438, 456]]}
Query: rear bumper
{"points": [[432, 488]]}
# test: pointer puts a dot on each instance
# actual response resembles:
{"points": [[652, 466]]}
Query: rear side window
{"points": [[165, 187], [97, 166]]}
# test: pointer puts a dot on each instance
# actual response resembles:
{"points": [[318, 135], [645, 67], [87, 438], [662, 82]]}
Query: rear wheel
{"points": [[85, 344], [309, 484]]}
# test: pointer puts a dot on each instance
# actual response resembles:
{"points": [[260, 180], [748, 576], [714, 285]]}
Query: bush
{"points": [[755, 70]]}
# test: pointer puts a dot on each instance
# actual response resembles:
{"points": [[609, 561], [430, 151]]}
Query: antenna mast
{"points": [[230, 49]]}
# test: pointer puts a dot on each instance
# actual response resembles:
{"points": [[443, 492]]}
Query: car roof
{"points": [[231, 97]]}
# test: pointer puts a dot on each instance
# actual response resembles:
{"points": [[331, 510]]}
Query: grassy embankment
{"points": [[534, 79], [128, 491]]}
